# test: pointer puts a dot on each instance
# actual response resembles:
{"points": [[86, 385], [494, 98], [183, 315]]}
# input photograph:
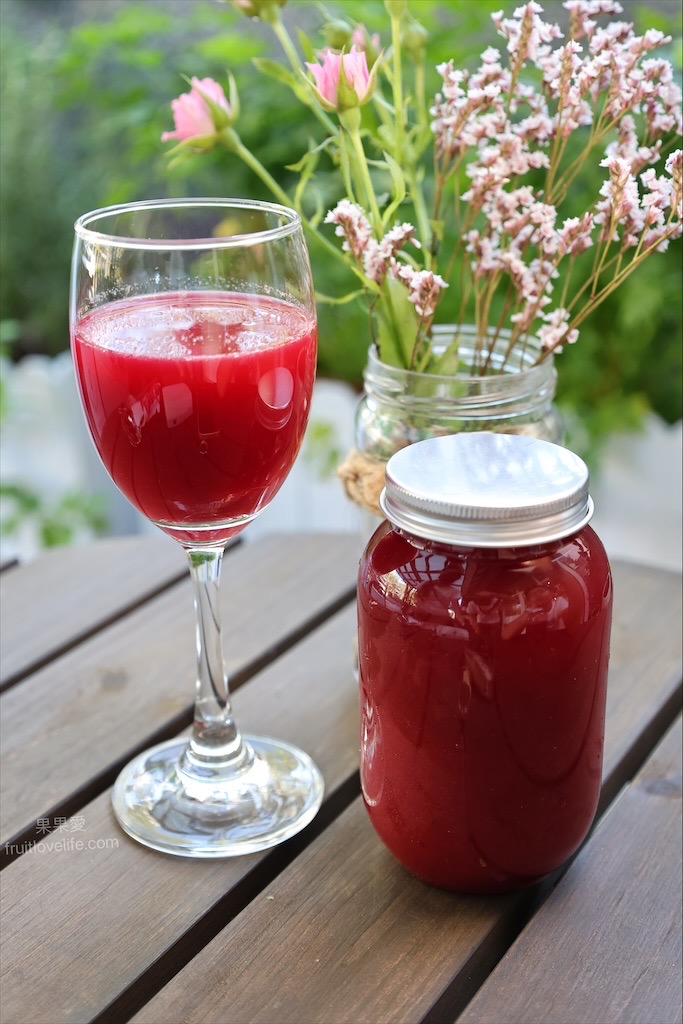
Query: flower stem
{"points": [[363, 174], [599, 268], [232, 141], [293, 58], [618, 278], [422, 216], [345, 165], [397, 83], [420, 102]]}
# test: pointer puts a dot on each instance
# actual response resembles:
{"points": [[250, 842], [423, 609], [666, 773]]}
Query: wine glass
{"points": [[193, 333]]}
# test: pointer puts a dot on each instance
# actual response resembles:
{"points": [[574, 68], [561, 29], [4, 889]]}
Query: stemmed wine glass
{"points": [[193, 333]]}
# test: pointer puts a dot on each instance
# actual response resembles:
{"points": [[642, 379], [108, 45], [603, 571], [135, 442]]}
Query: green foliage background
{"points": [[86, 87]]}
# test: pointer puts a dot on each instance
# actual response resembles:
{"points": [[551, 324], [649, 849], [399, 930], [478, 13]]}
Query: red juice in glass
{"points": [[483, 677], [197, 403]]}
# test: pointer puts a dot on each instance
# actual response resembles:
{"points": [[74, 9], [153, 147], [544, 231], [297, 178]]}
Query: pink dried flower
{"points": [[374, 257], [485, 183], [378, 255], [424, 287], [555, 331], [626, 146], [508, 157], [621, 204], [484, 251], [521, 219], [606, 40], [575, 235], [583, 11], [651, 40], [656, 199], [658, 239], [482, 111], [660, 98], [560, 67], [352, 225], [194, 117], [674, 167], [538, 128], [525, 31], [455, 111], [502, 208]]}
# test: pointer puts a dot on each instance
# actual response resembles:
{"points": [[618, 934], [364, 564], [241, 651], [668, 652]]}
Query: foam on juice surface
{"points": [[175, 326]]}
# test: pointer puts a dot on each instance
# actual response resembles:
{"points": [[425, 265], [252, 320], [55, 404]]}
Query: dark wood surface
{"points": [[98, 659], [604, 944]]}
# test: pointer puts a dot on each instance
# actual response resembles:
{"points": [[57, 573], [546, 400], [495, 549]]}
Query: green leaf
{"points": [[399, 188], [305, 178], [53, 533], [313, 151], [386, 136], [438, 227], [336, 300], [279, 73], [272, 69], [321, 450], [448, 362], [26, 500], [397, 324], [316, 217], [306, 46]]}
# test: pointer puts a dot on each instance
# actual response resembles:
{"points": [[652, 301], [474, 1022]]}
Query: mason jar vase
{"points": [[400, 406]]}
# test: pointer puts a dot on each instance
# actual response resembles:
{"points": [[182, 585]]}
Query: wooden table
{"points": [[97, 663]]}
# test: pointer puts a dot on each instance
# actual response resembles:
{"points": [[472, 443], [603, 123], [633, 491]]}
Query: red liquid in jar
{"points": [[483, 678], [197, 402]]}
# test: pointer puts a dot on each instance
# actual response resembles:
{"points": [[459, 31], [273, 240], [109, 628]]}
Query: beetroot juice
{"points": [[197, 403], [483, 674]]}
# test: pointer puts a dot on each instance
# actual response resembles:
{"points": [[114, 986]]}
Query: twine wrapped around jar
{"points": [[363, 479]]}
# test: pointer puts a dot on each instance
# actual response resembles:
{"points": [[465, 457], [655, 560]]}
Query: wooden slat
{"points": [[150, 926], [646, 667], [606, 946], [69, 592], [83, 714], [80, 927], [343, 935], [350, 937]]}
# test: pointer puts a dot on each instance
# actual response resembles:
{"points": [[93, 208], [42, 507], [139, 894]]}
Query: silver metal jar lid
{"points": [[487, 490]]}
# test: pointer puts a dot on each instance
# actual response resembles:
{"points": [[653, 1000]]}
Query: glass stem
{"points": [[215, 745]]}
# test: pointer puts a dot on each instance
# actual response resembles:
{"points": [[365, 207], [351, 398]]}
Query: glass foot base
{"points": [[270, 798]]}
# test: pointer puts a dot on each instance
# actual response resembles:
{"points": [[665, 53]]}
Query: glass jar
{"points": [[484, 612], [400, 407]]}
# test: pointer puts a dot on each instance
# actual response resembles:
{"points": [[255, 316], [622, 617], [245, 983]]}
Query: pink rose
{"points": [[337, 91], [199, 113], [360, 38], [369, 44]]}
